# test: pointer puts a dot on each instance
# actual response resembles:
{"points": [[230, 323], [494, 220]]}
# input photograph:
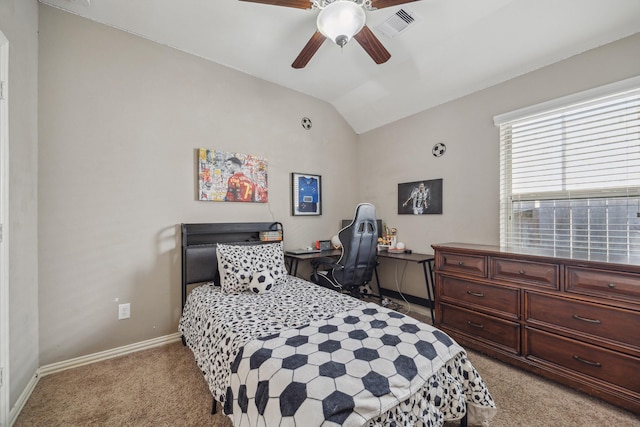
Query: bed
{"points": [[291, 353]]}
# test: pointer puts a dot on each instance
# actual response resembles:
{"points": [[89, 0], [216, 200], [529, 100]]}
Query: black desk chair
{"points": [[358, 260]]}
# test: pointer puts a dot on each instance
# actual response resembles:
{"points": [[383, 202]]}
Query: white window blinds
{"points": [[570, 174]]}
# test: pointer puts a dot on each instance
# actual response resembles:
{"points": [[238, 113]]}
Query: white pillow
{"points": [[235, 268], [270, 257], [237, 263]]}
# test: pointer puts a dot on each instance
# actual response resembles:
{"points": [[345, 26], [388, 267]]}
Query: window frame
{"points": [[508, 198]]}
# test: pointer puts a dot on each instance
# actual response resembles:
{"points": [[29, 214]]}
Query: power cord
{"points": [[273, 217], [399, 285], [386, 302]]}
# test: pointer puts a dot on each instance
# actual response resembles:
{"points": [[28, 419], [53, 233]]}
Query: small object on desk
{"points": [[323, 245], [398, 248], [408, 251], [383, 248]]}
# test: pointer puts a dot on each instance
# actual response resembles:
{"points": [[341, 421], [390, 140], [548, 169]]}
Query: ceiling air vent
{"points": [[397, 23]]}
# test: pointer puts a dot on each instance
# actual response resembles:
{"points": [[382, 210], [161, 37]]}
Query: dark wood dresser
{"points": [[571, 318]]}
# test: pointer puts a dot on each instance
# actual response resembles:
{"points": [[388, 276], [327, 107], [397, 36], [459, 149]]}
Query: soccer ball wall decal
{"points": [[438, 149], [261, 282]]}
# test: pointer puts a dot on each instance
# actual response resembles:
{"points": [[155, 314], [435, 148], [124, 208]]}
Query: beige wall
{"points": [[120, 120], [19, 24], [401, 152]]}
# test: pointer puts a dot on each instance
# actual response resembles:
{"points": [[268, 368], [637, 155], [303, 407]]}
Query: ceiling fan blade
{"points": [[372, 45], [309, 50], [300, 4], [381, 4]]}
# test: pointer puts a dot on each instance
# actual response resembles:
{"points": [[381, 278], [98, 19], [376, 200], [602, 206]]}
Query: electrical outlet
{"points": [[124, 311]]}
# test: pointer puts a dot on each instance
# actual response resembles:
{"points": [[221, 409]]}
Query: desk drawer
{"points": [[526, 272], [498, 299], [610, 284], [612, 324], [602, 364], [501, 332], [475, 265]]}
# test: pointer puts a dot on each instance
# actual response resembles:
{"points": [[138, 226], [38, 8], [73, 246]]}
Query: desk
{"points": [[427, 264], [425, 259], [294, 259]]}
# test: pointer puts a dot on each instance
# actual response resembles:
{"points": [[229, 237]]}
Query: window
{"points": [[570, 174]]}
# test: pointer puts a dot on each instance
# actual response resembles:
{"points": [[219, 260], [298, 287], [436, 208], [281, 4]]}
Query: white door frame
{"points": [[4, 240]]}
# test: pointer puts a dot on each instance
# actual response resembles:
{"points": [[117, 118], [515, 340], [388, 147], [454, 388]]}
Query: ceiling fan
{"points": [[340, 20]]}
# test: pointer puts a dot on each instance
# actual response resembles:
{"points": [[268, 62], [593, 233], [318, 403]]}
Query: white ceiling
{"points": [[457, 46]]}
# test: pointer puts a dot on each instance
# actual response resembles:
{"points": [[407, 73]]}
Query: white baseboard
{"points": [[22, 399], [85, 360], [108, 354]]}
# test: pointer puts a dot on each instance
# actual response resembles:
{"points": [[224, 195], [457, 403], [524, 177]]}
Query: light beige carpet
{"points": [[164, 387]]}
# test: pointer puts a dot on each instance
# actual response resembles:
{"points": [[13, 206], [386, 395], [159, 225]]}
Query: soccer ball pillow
{"points": [[261, 282], [244, 277]]}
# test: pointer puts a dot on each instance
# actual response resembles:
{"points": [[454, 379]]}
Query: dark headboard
{"points": [[199, 261]]}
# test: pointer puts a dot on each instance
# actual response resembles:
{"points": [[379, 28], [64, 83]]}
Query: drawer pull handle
{"points": [[476, 294], [476, 325], [460, 263], [611, 285], [520, 271], [584, 319], [587, 362]]}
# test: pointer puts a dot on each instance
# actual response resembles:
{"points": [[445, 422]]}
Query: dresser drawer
{"points": [[596, 362], [475, 265], [498, 299], [526, 272], [610, 284], [612, 324], [500, 332]]}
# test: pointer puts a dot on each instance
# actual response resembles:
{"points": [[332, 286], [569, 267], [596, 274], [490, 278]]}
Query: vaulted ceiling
{"points": [[450, 49]]}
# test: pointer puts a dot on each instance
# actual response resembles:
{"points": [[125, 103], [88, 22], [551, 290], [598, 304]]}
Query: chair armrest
{"points": [[327, 262]]}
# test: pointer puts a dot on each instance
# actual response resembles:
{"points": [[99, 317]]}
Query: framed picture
{"points": [[306, 194], [226, 176], [420, 197]]}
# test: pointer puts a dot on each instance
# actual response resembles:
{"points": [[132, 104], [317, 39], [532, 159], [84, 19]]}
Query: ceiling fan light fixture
{"points": [[341, 20]]}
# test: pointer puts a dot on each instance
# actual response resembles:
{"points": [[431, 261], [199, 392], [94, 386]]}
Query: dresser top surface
{"points": [[558, 255]]}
